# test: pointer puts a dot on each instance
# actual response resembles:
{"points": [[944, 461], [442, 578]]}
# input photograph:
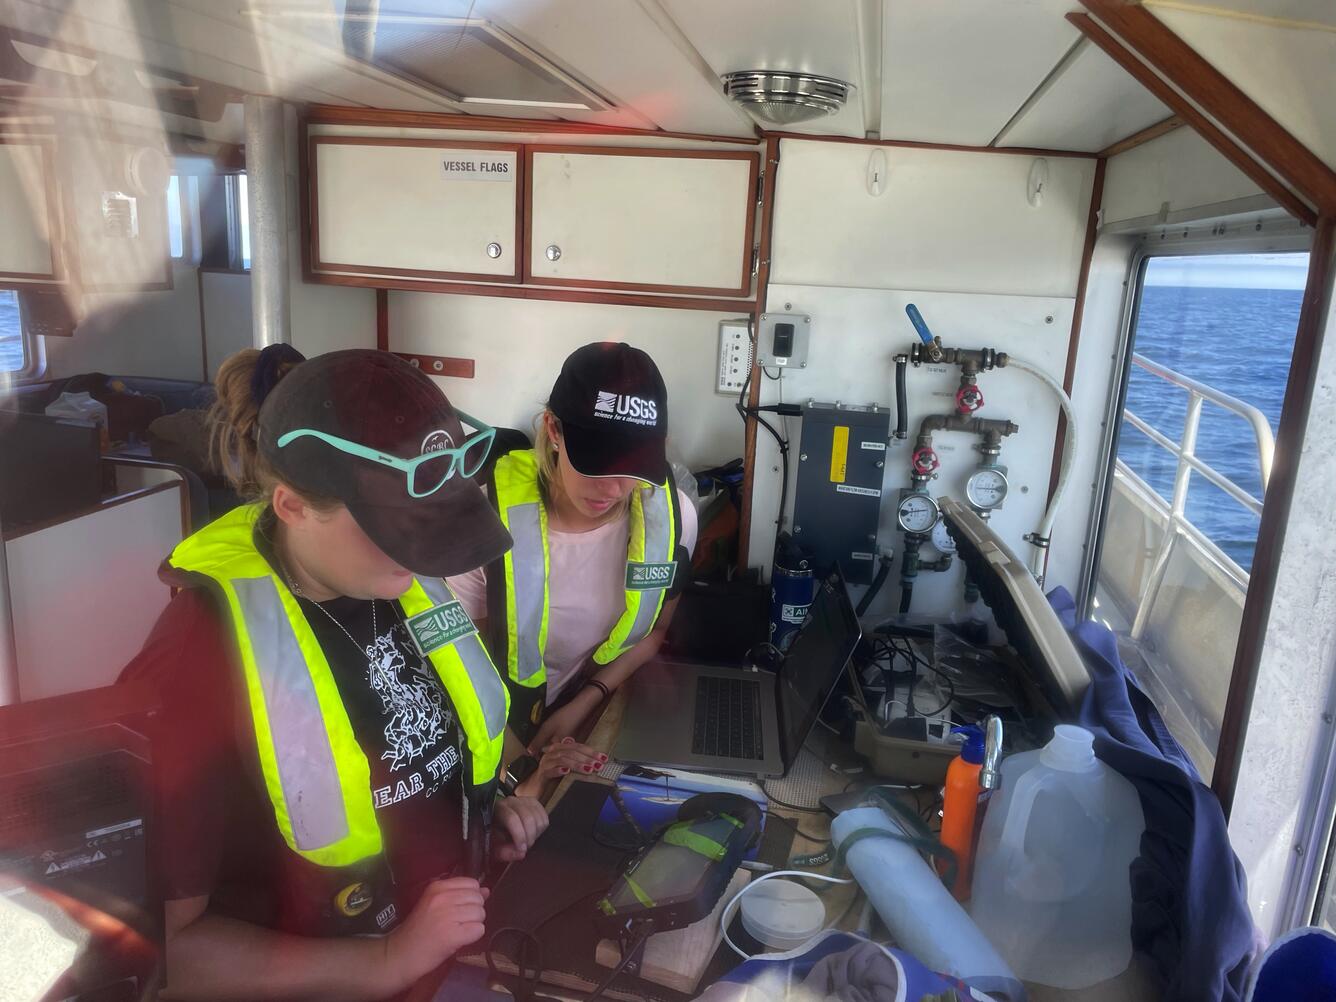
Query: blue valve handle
{"points": [[920, 325]]}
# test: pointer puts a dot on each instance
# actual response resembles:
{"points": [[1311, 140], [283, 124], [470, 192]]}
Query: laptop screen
{"points": [[814, 662]]}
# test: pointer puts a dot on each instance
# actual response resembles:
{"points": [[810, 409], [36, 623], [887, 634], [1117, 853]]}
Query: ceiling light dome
{"points": [[782, 98]]}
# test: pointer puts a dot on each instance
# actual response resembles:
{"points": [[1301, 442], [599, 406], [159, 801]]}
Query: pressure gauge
{"points": [[986, 489], [942, 539], [917, 513]]}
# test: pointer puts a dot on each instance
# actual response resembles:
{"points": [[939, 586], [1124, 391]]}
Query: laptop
{"points": [[725, 720]]}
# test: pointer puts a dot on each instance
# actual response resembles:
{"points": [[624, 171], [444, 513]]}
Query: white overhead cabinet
{"points": [[415, 208], [27, 210], [653, 220]]}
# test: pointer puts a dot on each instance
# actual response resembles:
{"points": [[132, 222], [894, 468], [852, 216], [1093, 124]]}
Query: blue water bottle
{"points": [[792, 587]]}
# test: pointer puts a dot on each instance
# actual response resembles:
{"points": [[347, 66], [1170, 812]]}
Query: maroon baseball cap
{"points": [[380, 402], [613, 407]]}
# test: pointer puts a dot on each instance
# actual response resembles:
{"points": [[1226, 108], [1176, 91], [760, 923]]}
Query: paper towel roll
{"points": [[918, 909]]}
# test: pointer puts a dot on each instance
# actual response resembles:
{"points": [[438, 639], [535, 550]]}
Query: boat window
{"points": [[1209, 356], [175, 218], [14, 352], [238, 228]]}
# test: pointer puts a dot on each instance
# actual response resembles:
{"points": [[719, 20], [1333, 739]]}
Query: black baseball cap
{"points": [[613, 408], [379, 401]]}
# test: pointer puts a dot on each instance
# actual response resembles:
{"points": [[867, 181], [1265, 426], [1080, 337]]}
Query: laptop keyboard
{"points": [[728, 718]]}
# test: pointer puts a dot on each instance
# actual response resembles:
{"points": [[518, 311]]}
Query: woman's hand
{"points": [[519, 820], [558, 759], [565, 722], [448, 917]]}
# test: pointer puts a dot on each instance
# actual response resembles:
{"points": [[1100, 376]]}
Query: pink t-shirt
{"points": [[586, 591]]}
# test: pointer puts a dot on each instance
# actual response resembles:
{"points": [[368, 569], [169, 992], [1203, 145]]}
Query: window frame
{"points": [[235, 258], [183, 210], [34, 348]]}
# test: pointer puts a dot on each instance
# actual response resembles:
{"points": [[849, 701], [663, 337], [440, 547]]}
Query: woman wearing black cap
{"points": [[602, 546], [332, 725]]}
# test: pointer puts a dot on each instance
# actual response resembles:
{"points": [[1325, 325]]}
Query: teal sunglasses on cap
{"points": [[425, 474]]}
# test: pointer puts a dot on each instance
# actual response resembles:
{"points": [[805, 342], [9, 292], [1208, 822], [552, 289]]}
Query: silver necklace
{"points": [[370, 648]]}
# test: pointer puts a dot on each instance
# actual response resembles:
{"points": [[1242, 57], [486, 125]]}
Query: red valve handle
{"points": [[969, 399], [925, 460]]}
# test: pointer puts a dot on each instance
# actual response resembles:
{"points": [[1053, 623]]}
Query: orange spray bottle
{"points": [[960, 804]]}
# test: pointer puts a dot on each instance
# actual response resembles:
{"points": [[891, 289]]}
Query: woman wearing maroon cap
{"points": [[602, 547], [332, 725]]}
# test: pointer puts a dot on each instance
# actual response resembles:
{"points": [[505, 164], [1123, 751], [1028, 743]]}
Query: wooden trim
{"points": [[115, 501], [383, 319], [1144, 136], [1275, 513], [47, 146], [749, 223], [1022, 151], [1074, 339], [325, 114], [320, 265], [754, 392], [439, 365], [529, 292], [1187, 111], [1219, 97]]}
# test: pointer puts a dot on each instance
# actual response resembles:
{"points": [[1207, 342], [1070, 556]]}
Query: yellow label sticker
{"points": [[839, 454]]}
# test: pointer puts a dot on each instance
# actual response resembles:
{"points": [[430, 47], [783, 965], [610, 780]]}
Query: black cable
{"points": [[883, 572], [790, 807], [748, 413], [794, 825], [627, 957], [906, 596]]}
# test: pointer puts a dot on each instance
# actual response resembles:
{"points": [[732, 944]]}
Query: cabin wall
{"points": [[1174, 178], [518, 347], [955, 235]]}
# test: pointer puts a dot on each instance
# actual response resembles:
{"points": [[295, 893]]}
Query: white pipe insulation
{"points": [[1039, 554]]}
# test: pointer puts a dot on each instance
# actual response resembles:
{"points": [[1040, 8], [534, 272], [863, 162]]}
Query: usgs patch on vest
{"points": [[648, 577], [437, 627]]}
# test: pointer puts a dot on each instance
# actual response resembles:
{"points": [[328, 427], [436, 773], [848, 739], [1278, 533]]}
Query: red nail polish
{"points": [[563, 770], [586, 768]]}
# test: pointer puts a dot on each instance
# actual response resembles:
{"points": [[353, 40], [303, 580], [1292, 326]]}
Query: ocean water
{"points": [[11, 344], [1238, 340]]}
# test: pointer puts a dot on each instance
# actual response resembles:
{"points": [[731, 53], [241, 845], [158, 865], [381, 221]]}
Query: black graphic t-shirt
{"points": [[406, 725], [216, 834]]}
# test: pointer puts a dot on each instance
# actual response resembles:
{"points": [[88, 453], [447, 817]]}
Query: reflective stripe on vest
{"points": [[316, 774], [651, 544]]}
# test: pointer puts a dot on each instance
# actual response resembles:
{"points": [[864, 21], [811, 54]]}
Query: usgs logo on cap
{"points": [[624, 407]]}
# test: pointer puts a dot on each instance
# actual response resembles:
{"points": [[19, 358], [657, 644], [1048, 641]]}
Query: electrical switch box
{"points": [[837, 505], [735, 357], [781, 340]]}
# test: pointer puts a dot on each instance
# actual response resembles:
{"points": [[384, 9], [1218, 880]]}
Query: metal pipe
{"points": [[9, 658], [267, 182], [959, 422], [1220, 480]]}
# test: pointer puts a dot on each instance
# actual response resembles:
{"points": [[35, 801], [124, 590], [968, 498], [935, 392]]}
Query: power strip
{"points": [[735, 357]]}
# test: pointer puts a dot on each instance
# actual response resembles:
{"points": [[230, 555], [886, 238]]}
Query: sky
{"points": [[1230, 271]]}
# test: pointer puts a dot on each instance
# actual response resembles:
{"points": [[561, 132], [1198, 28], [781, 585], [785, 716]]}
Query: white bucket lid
{"points": [[782, 914]]}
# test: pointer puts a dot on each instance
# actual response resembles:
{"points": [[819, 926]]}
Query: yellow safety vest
{"points": [[316, 774], [651, 568]]}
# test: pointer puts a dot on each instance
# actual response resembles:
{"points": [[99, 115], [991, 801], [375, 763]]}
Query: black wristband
{"points": [[521, 769], [601, 687]]}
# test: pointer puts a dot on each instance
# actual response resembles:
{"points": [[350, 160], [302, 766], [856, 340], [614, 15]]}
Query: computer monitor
{"points": [[79, 915], [1020, 608]]}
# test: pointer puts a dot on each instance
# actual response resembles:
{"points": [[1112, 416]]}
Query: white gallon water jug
{"points": [[1051, 888]]}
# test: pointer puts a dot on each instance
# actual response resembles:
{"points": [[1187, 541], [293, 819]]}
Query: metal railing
{"points": [[1184, 451]]}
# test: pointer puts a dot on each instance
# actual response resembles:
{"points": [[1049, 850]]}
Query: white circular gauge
{"points": [[942, 539], [986, 489], [917, 513]]}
